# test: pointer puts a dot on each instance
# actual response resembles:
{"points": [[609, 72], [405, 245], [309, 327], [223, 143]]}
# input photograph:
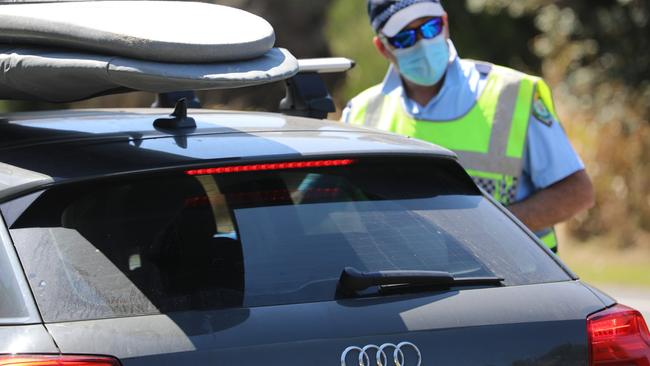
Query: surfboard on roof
{"points": [[65, 51]]}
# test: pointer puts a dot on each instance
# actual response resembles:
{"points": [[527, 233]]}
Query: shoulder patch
{"points": [[483, 67], [542, 113]]}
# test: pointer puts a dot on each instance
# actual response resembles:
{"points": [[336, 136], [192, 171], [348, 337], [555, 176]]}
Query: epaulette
{"points": [[483, 67]]}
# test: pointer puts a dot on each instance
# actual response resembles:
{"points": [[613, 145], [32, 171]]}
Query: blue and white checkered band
{"points": [[382, 18], [491, 186]]}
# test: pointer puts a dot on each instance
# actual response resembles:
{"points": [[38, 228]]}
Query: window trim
{"points": [[15, 270], [530, 234]]}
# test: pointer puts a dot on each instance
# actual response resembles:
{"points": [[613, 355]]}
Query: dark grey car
{"points": [[262, 239], [132, 238]]}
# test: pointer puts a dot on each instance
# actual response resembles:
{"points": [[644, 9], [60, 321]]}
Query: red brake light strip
{"points": [[52, 360], [271, 166]]}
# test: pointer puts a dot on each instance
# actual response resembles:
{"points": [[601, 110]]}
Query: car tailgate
{"points": [[525, 325]]}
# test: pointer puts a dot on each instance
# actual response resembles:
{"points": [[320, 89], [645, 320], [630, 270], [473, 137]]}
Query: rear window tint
{"points": [[176, 242]]}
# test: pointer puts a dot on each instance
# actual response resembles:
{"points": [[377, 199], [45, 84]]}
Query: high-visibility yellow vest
{"points": [[489, 140]]}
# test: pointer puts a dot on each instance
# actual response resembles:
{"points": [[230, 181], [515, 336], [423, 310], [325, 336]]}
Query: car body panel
{"points": [[14, 180], [557, 312], [17, 304], [498, 345], [26, 339], [605, 298], [37, 128]]}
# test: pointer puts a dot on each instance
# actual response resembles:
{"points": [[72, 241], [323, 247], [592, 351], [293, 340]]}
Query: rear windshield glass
{"points": [[177, 242]]}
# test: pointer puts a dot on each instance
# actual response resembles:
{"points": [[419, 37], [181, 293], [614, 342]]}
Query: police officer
{"points": [[501, 123]]}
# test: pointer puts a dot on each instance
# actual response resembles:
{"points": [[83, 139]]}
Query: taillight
{"points": [[271, 166], [618, 336], [32, 360]]}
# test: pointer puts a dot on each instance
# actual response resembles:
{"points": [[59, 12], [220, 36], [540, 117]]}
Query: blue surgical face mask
{"points": [[426, 62]]}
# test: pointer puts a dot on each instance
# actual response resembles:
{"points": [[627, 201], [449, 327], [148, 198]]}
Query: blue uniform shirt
{"points": [[548, 157]]}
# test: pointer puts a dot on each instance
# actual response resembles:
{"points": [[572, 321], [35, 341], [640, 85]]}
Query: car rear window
{"points": [[175, 242]]}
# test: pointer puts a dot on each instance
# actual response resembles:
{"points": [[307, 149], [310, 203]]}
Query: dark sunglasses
{"points": [[408, 37]]}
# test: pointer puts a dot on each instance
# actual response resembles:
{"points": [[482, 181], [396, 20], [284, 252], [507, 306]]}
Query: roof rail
{"points": [[306, 92], [325, 65]]}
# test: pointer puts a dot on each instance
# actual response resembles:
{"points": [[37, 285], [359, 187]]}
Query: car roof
{"points": [[39, 148], [29, 129]]}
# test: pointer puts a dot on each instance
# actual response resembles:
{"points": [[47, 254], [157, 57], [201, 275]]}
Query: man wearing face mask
{"points": [[501, 123]]}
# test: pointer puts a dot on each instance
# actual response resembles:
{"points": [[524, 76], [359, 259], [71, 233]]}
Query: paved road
{"points": [[638, 298]]}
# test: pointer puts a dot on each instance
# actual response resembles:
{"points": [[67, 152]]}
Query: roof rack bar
{"points": [[325, 65], [307, 95]]}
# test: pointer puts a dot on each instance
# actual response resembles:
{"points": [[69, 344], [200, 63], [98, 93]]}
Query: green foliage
{"points": [[608, 265], [350, 35], [493, 36]]}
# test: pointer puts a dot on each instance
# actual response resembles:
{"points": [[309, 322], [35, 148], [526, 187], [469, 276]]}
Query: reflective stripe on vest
{"points": [[549, 238], [489, 139]]}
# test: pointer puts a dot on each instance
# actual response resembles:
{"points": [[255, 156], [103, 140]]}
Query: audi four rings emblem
{"points": [[401, 354]]}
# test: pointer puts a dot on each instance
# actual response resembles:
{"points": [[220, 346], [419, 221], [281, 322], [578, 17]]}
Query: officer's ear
{"points": [[381, 47], [445, 20]]}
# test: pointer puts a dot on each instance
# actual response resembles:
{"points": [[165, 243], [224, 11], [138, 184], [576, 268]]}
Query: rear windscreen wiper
{"points": [[352, 280]]}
